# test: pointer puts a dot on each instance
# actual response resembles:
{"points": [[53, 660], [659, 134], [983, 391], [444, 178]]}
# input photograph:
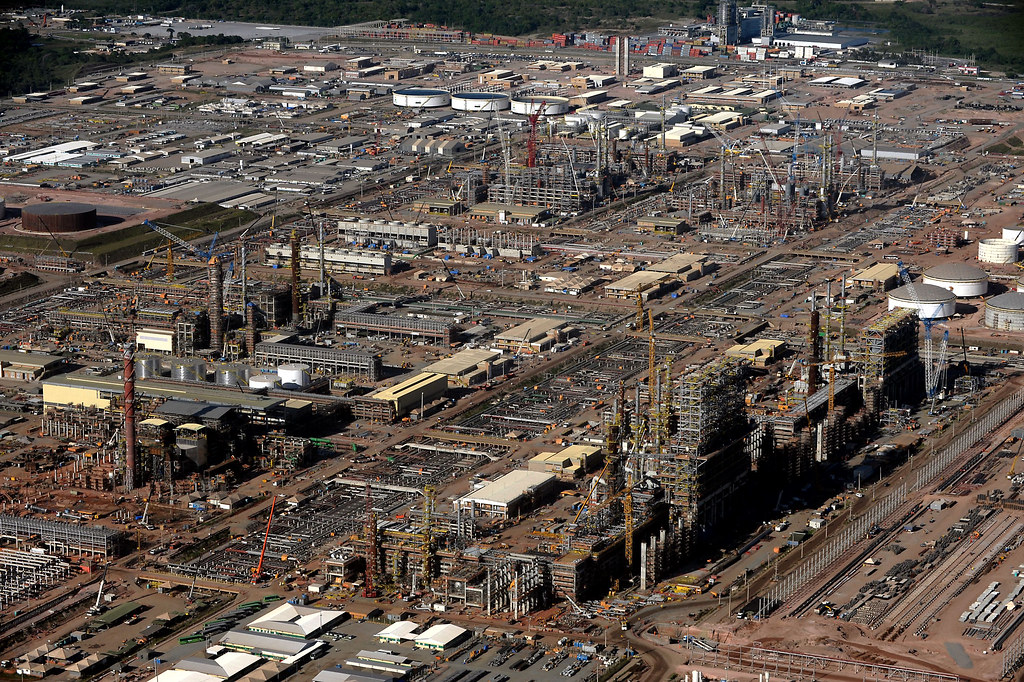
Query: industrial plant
{"points": [[394, 351]]}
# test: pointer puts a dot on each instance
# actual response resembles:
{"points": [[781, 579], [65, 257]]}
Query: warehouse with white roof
{"points": [[509, 495]]}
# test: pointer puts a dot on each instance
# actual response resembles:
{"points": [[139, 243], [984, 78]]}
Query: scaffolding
{"points": [[24, 575], [706, 458], [891, 363], [60, 537]]}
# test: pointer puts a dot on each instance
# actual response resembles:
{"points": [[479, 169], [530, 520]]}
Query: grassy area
{"points": [[1013, 145]]}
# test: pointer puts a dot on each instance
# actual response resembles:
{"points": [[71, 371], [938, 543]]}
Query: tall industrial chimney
{"points": [[295, 278], [251, 335], [129, 418], [215, 302], [814, 341]]}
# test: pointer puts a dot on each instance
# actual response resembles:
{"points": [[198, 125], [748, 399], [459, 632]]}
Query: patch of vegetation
{"points": [[19, 282]]}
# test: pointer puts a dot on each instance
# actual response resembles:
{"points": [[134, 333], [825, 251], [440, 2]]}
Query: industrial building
{"points": [[880, 277], [416, 395], [647, 284], [364, 261], [439, 332], [387, 233], [535, 336], [298, 622], [508, 496], [569, 463], [324, 360], [471, 366]]}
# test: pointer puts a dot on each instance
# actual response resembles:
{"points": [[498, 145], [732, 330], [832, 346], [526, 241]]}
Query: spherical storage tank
{"points": [[294, 375], [480, 101], [421, 97], [267, 381], [189, 370], [58, 217], [547, 106], [935, 302], [1005, 311], [965, 281], [997, 251]]}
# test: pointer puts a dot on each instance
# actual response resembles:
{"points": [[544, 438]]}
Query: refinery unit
{"points": [[543, 346]]}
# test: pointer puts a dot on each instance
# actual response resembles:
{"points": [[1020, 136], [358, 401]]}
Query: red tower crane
{"points": [[256, 574]]}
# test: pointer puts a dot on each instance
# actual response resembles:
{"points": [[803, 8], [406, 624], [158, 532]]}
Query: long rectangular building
{"points": [[390, 232], [395, 325], [62, 538], [364, 261], [321, 359]]}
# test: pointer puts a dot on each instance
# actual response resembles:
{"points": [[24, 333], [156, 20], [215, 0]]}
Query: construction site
{"points": [[570, 366]]}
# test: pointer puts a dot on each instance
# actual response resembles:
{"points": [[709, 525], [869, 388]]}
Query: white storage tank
{"points": [[427, 98], [997, 251], [189, 370], [965, 281], [267, 381], [480, 101], [1014, 234], [547, 106], [933, 302], [1005, 311], [147, 367], [294, 375]]}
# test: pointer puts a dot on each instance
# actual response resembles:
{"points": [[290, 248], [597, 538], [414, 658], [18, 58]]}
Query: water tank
{"points": [[426, 98], [189, 370], [1005, 311], [546, 106], [931, 302], [480, 101], [1014, 234], [997, 251], [965, 281], [147, 367], [294, 375], [267, 381]]}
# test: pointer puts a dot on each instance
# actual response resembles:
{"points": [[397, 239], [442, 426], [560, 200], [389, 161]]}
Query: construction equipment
{"points": [[1016, 456], [258, 571], [96, 608], [931, 367]]}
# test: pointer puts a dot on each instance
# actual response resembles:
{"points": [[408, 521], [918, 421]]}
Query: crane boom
{"points": [[259, 567]]}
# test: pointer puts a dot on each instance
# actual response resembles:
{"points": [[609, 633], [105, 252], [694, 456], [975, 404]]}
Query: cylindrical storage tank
{"points": [[965, 281], [933, 302], [294, 375], [480, 101], [1005, 311], [997, 251], [189, 370], [58, 217], [147, 367], [229, 375], [1014, 234], [427, 98], [547, 106], [267, 381]]}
